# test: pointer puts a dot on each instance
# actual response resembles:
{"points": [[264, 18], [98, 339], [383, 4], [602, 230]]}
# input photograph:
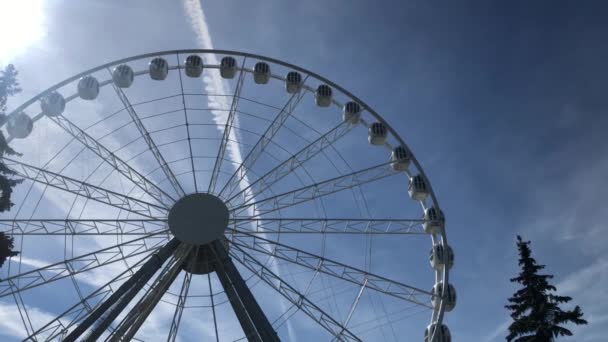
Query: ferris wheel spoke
{"points": [[227, 128], [233, 182], [285, 225], [86, 262], [118, 164], [332, 268], [148, 139], [314, 191], [87, 190], [292, 295], [57, 328], [179, 307], [290, 165], [82, 227]]}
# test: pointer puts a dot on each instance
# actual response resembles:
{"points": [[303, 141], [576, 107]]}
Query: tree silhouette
{"points": [[8, 87], [536, 314]]}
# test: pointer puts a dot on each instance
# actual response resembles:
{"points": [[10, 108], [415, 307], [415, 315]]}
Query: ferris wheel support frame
{"points": [[317, 190]]}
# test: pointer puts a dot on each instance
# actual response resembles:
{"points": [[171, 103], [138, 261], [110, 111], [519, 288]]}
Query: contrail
{"points": [[214, 84]]}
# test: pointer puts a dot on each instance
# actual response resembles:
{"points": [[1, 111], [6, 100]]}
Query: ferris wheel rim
{"points": [[442, 234]]}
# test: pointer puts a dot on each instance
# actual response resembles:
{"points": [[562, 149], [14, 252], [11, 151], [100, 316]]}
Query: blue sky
{"points": [[503, 105]]}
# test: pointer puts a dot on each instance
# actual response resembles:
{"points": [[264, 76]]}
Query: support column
{"points": [[128, 289], [251, 316]]}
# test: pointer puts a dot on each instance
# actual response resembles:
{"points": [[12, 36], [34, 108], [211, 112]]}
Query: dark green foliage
{"points": [[536, 314], [8, 87], [6, 248]]}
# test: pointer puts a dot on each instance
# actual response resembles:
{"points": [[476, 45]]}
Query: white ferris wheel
{"points": [[181, 192]]}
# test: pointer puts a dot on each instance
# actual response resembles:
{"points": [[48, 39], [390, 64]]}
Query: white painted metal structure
{"points": [[269, 187]]}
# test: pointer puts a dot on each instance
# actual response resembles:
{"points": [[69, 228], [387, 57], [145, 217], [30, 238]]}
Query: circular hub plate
{"points": [[198, 219]]}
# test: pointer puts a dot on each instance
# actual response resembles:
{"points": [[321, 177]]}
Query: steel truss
{"points": [[227, 129], [87, 190], [234, 181], [118, 164], [292, 295], [328, 226], [151, 144], [76, 227], [79, 264], [314, 191], [332, 268], [290, 165]]}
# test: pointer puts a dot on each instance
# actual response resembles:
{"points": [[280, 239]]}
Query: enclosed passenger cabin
{"points": [[377, 133], [351, 112], [323, 95], [433, 220], [228, 67], [442, 333], [400, 158], [417, 188], [449, 297], [159, 69], [193, 66], [261, 73], [123, 76], [88, 88], [441, 256], [53, 104], [293, 82], [19, 126]]}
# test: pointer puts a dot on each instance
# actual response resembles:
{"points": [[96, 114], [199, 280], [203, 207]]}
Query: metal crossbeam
{"points": [[260, 145], [122, 167], [76, 227], [79, 264], [87, 190], [256, 225], [151, 145], [227, 128], [332, 268], [291, 164], [293, 295], [60, 325], [313, 191]]}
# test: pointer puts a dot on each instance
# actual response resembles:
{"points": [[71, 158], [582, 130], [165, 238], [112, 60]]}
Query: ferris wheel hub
{"points": [[198, 219]]}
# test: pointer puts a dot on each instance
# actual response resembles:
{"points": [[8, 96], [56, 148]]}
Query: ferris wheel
{"points": [[219, 194]]}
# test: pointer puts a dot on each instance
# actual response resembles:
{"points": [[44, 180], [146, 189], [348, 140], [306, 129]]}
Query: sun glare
{"points": [[21, 25]]}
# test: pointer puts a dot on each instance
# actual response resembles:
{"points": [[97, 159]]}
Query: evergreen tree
{"points": [[536, 314], [8, 87]]}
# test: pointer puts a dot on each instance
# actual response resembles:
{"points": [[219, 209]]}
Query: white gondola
{"points": [[400, 158], [441, 256], [123, 76], [433, 220], [159, 69], [293, 82], [88, 88], [193, 66], [377, 133], [323, 95], [441, 335], [351, 112], [19, 126], [52, 104], [417, 188], [228, 67], [261, 73], [449, 297]]}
